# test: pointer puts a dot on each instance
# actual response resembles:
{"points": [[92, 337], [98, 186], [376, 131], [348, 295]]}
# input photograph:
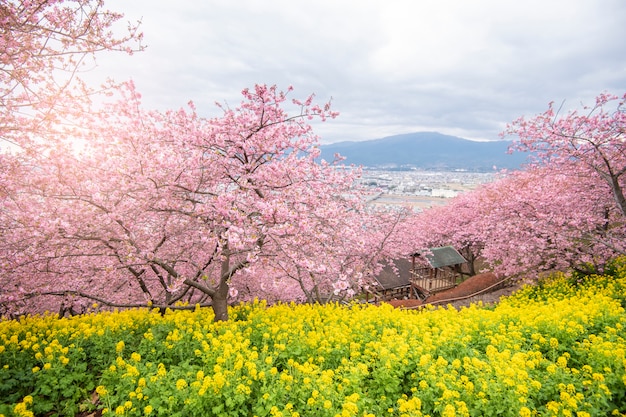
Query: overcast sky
{"points": [[458, 67]]}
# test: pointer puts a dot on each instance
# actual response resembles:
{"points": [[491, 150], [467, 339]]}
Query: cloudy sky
{"points": [[458, 67]]}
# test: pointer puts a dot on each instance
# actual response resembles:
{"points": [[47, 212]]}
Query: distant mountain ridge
{"points": [[426, 150]]}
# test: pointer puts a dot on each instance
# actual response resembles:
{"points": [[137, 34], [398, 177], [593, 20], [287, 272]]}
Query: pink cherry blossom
{"points": [[564, 211], [169, 207]]}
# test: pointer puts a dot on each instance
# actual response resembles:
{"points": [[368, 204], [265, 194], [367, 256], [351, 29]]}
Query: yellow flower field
{"points": [[556, 349]]}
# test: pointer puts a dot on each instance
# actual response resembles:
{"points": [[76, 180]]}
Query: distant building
{"points": [[444, 193]]}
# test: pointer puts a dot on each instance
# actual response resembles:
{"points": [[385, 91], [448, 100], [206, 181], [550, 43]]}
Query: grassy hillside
{"points": [[554, 349]]}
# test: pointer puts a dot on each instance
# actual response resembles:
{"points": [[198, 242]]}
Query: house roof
{"points": [[444, 256], [389, 279]]}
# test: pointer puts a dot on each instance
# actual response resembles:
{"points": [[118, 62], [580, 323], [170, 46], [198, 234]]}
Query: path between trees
{"points": [[487, 288]]}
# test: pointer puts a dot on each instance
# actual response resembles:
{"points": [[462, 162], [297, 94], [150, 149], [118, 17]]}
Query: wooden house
{"points": [[437, 269], [393, 282]]}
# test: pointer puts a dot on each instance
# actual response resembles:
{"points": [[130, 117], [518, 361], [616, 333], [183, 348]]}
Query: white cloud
{"points": [[454, 66]]}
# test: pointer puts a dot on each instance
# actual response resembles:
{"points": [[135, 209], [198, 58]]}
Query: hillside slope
{"points": [[426, 150]]}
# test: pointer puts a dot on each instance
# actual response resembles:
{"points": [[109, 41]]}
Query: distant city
{"points": [[420, 189]]}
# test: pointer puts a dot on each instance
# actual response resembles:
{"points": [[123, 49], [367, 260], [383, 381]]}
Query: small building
{"points": [[437, 269], [393, 282], [443, 193]]}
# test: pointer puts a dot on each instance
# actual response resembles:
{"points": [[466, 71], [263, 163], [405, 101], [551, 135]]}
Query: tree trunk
{"points": [[220, 298], [618, 194], [220, 305]]}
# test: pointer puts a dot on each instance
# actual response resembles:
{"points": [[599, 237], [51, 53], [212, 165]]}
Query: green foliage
{"points": [[552, 349]]}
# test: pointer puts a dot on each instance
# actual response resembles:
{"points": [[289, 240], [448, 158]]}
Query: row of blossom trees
{"points": [[565, 210], [128, 207], [116, 204], [131, 208]]}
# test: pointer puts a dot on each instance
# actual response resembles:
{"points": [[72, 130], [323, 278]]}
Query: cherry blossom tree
{"points": [[131, 207], [333, 257], [531, 221], [312, 258], [454, 224], [591, 142], [588, 146], [541, 220], [44, 45], [564, 211]]}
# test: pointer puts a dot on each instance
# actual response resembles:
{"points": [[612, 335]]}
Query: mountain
{"points": [[426, 150]]}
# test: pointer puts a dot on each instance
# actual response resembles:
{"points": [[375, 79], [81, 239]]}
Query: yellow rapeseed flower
{"points": [[181, 384], [553, 406], [21, 408], [449, 411]]}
